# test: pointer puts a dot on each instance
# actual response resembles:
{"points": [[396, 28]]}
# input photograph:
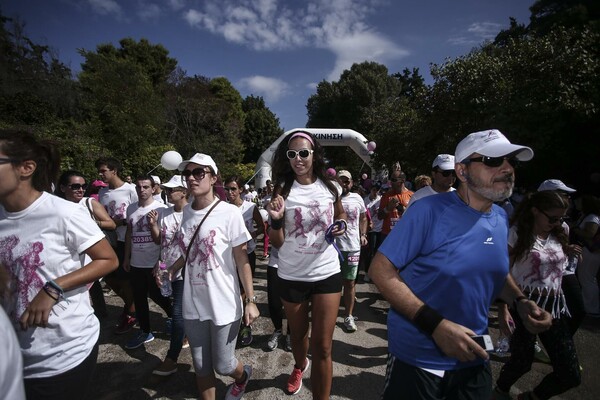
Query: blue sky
{"points": [[277, 49]]}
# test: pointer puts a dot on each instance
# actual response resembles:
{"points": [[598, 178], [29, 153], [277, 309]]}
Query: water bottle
{"points": [[165, 283], [502, 345]]}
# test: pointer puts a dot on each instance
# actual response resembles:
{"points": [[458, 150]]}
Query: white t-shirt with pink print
{"points": [[354, 206], [116, 201], [41, 243], [144, 252], [305, 255], [211, 290]]}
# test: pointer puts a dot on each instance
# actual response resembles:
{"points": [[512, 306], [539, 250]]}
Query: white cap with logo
{"points": [[490, 143], [200, 159], [445, 162], [554, 184], [174, 182]]}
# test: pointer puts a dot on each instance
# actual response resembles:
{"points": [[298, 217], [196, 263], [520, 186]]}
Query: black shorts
{"points": [[300, 291]]}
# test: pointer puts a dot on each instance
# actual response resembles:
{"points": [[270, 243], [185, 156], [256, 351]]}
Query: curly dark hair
{"points": [[523, 219], [283, 175]]}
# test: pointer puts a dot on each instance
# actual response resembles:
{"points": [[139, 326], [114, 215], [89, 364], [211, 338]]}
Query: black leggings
{"points": [[72, 384], [559, 344], [572, 290], [144, 285], [275, 304]]}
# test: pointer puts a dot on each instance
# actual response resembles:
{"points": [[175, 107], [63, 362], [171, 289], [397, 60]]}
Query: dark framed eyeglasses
{"points": [[230, 189], [493, 162], [396, 180], [446, 173], [198, 173], [303, 153], [7, 160], [78, 186], [553, 220], [173, 190]]}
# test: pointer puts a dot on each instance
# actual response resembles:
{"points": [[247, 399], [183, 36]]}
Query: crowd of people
{"points": [[441, 256]]}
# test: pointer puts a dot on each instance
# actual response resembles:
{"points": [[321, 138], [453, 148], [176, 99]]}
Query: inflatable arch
{"points": [[326, 137]]}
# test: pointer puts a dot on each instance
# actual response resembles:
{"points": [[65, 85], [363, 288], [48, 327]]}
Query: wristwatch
{"points": [[248, 300]]}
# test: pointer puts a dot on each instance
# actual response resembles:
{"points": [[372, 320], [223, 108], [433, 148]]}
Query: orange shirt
{"points": [[392, 217]]}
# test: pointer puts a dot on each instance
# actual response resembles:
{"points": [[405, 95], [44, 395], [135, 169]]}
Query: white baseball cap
{"points": [[200, 159], [174, 182], [156, 179], [490, 143], [554, 184], [444, 162], [345, 174]]}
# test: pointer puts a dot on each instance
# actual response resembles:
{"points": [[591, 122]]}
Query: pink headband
{"points": [[303, 135]]}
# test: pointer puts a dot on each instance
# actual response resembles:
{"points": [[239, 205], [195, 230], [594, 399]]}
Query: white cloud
{"points": [[176, 4], [268, 25], [148, 11], [476, 33], [271, 89], [106, 7]]}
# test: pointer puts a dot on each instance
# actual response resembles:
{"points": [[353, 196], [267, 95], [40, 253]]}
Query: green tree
{"points": [[124, 90], [261, 128]]}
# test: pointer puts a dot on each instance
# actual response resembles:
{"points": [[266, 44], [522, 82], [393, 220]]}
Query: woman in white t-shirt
{"points": [[213, 240], [254, 224], [43, 241], [302, 210], [538, 250], [71, 187]]}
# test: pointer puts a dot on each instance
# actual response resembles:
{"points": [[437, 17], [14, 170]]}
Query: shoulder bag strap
{"points": [[90, 208], [187, 252]]}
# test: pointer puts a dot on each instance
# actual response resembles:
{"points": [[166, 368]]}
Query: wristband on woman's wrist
{"points": [[427, 319], [277, 224]]}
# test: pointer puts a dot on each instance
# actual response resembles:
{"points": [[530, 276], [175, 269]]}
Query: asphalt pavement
{"points": [[359, 358]]}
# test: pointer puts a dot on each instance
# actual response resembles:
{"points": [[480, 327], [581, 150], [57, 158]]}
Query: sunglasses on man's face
{"points": [[303, 153], [493, 162], [446, 173], [198, 173], [78, 186], [396, 180]]}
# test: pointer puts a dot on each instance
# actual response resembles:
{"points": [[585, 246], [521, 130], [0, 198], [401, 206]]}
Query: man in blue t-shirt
{"points": [[441, 268]]}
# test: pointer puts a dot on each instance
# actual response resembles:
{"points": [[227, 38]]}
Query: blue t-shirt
{"points": [[453, 258]]}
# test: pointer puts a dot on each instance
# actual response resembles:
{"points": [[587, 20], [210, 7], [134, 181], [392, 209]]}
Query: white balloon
{"points": [[371, 146], [171, 160]]}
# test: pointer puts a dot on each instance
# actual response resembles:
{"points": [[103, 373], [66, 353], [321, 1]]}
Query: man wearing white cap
{"points": [[164, 224], [555, 184], [350, 243], [443, 178], [157, 190], [441, 270]]}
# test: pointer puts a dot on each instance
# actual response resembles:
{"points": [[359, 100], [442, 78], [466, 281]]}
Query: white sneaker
{"points": [[274, 340], [349, 323]]}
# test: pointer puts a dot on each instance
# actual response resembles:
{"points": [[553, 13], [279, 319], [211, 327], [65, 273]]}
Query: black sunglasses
{"points": [[7, 160], [304, 153], [553, 220], [446, 173], [230, 189], [173, 190], [199, 173], [396, 180], [493, 162], [77, 186]]}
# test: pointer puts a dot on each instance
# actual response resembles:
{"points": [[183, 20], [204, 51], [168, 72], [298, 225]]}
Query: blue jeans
{"points": [[177, 314]]}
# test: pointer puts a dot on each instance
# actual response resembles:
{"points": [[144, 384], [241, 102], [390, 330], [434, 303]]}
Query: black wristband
{"points": [[55, 298], [518, 300], [427, 319], [276, 224]]}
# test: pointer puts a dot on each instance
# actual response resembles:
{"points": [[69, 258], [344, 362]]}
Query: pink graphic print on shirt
{"points": [[22, 270], [539, 275], [201, 258], [316, 222], [114, 211], [352, 214]]}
